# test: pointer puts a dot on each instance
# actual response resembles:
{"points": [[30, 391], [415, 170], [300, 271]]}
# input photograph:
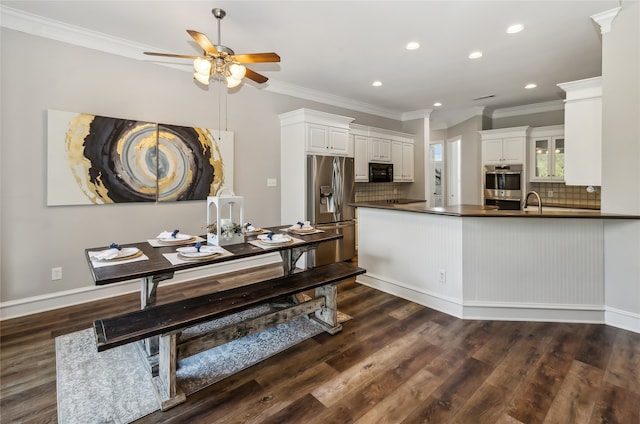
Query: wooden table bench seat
{"points": [[168, 320]]}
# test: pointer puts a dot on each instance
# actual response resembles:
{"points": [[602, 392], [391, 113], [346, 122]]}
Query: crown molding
{"points": [[605, 19], [40, 26], [48, 28], [551, 106], [330, 99]]}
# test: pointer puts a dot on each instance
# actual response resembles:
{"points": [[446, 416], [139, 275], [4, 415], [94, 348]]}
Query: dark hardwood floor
{"points": [[394, 362]]}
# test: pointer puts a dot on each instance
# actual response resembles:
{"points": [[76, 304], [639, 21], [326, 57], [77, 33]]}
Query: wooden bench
{"points": [[168, 320]]}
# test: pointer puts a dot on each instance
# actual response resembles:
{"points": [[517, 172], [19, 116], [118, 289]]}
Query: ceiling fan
{"points": [[220, 62]]}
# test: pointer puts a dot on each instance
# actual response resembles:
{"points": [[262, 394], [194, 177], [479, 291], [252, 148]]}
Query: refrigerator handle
{"points": [[337, 182]]}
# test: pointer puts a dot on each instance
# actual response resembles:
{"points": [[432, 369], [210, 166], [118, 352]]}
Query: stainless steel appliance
{"points": [[503, 186], [330, 189], [380, 172]]}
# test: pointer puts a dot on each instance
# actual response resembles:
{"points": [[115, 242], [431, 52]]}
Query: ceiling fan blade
{"points": [[203, 42], [252, 75], [181, 56], [256, 57]]}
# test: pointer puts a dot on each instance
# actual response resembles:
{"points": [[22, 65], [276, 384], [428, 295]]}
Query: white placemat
{"points": [[157, 243], [100, 264], [175, 260]]}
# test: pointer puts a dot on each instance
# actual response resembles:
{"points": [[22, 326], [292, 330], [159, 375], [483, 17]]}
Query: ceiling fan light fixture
{"points": [[202, 65], [201, 78], [237, 71], [233, 82]]}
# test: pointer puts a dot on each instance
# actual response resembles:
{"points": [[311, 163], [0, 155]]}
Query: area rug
{"points": [[114, 387]]}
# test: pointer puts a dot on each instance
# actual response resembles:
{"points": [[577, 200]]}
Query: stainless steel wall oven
{"points": [[503, 186]]}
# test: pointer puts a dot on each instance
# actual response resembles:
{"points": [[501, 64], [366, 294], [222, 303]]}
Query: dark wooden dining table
{"points": [[158, 268]]}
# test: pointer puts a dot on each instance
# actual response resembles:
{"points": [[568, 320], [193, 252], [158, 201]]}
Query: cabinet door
{"points": [[317, 138], [396, 159], [492, 152], [361, 158], [380, 150], [557, 163], [541, 155], [407, 162], [339, 141], [513, 150]]}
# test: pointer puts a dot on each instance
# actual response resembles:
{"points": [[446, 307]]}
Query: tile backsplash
{"points": [[558, 194], [368, 192]]}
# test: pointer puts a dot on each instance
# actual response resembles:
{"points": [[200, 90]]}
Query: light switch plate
{"points": [[272, 182]]}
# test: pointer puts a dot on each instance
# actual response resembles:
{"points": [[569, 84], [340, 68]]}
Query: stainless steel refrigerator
{"points": [[330, 189]]}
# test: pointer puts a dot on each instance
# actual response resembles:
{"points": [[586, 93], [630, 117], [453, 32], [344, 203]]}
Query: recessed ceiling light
{"points": [[530, 86], [414, 45], [475, 55], [377, 83], [437, 104], [513, 29]]}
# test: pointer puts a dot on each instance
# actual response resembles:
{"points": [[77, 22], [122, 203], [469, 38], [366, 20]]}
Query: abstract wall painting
{"points": [[97, 160]]}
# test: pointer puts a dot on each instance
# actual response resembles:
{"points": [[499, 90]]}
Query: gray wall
{"points": [[40, 74]]}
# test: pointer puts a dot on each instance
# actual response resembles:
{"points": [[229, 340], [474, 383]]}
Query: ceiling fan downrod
{"points": [[219, 14]]}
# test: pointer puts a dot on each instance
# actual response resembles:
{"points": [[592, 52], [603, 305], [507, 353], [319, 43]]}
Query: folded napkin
{"points": [[274, 237], [168, 234], [249, 228], [300, 225], [105, 255]]}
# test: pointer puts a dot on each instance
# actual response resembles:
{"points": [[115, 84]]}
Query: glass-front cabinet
{"points": [[546, 154]]}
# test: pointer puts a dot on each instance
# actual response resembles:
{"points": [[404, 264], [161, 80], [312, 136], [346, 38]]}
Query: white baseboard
{"points": [[588, 314], [434, 301], [622, 319], [48, 302]]}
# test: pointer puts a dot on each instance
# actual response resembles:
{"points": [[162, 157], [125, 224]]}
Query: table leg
{"points": [[291, 256], [148, 294]]}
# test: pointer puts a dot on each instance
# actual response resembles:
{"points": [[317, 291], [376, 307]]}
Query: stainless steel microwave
{"points": [[380, 172]]}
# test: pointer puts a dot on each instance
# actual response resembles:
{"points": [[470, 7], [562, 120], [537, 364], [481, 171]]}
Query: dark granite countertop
{"points": [[490, 211]]}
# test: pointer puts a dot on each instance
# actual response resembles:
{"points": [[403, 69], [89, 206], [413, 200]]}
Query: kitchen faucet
{"points": [[526, 199]]}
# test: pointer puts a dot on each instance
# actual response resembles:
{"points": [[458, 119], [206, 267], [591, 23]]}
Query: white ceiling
{"points": [[336, 49]]}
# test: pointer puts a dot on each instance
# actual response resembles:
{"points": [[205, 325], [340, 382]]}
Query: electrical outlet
{"points": [[549, 193], [272, 182], [442, 276], [56, 273]]}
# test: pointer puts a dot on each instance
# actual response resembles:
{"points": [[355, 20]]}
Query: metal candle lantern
{"points": [[225, 216]]}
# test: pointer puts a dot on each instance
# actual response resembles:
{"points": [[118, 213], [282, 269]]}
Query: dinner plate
{"points": [[283, 239], [191, 253], [254, 232], [124, 253], [178, 239]]}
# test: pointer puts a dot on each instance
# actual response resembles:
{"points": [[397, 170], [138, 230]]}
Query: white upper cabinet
{"points": [[583, 132], [504, 146], [384, 146], [546, 154], [322, 133], [402, 155], [326, 140], [380, 150], [361, 162]]}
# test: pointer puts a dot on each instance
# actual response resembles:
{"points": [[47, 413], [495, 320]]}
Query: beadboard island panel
{"points": [[474, 264]]}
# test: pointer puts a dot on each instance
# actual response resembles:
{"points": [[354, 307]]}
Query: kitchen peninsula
{"points": [[477, 262]]}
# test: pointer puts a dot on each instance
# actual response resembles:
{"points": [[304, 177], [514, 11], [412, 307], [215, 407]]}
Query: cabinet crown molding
{"points": [[314, 117], [505, 132]]}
